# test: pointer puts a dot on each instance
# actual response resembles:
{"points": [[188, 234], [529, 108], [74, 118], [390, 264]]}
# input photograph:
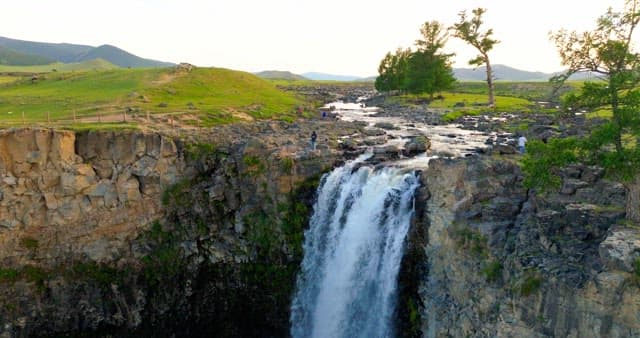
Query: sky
{"points": [[347, 37]]}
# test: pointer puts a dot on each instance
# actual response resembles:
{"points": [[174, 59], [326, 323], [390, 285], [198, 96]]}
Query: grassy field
{"points": [[534, 91], [212, 95]]}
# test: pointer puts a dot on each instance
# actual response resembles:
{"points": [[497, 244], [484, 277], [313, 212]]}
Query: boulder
{"points": [[416, 145], [621, 248]]}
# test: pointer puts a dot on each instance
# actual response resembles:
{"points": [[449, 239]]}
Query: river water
{"points": [[347, 284], [446, 140]]}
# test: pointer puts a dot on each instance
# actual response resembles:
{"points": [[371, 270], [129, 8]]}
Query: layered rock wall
{"points": [[503, 261], [138, 234], [67, 195]]}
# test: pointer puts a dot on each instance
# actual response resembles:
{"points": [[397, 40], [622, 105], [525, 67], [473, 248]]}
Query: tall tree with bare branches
{"points": [[469, 30]]}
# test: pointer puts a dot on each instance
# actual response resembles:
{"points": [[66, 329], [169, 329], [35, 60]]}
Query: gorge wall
{"points": [[504, 261], [140, 234], [132, 233]]}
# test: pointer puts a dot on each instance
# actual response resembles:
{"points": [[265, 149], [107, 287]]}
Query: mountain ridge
{"points": [[75, 53]]}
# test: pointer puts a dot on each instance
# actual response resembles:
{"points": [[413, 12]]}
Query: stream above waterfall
{"points": [[448, 140]]}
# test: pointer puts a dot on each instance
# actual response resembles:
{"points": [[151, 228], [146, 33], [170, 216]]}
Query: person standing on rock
{"points": [[522, 141], [314, 136]]}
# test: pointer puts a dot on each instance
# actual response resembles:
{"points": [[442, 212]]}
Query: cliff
{"points": [[130, 233], [141, 234], [504, 261]]}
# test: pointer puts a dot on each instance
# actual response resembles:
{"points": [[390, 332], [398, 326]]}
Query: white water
{"points": [[347, 285]]}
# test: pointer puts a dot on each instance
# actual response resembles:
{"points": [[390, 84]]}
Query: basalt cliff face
{"points": [[502, 261], [141, 234]]}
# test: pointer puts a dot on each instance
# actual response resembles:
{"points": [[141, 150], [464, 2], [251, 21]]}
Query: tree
{"points": [[426, 70], [393, 71], [607, 51], [430, 70], [468, 30]]}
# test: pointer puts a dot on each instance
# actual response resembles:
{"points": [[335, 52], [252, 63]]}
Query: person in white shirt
{"points": [[522, 141]]}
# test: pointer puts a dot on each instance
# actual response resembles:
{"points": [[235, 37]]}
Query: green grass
{"points": [[4, 79], [503, 103], [533, 91], [214, 95], [600, 113]]}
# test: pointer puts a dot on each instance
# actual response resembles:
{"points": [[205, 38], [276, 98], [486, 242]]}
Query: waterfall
{"points": [[347, 285]]}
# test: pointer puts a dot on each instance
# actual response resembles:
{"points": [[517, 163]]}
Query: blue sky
{"points": [[332, 36]]}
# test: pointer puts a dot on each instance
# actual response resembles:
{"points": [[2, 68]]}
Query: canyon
{"points": [[132, 233]]}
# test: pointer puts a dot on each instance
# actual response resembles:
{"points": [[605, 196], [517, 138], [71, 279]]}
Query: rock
{"points": [[348, 144], [570, 186], [50, 201], [621, 248], [129, 191], [385, 125], [416, 145], [591, 174], [504, 149], [373, 132], [144, 166], [74, 184], [10, 180]]}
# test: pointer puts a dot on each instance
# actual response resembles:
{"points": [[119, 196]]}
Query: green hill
{"points": [[9, 56], [280, 75], [120, 58], [213, 95], [62, 52], [71, 53]]}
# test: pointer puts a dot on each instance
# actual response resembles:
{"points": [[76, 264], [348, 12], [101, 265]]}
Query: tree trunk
{"points": [[492, 100], [633, 200]]}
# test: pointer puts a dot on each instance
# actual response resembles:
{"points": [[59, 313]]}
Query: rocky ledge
{"points": [[501, 260]]}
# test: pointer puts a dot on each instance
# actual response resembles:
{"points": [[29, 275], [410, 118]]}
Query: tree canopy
{"points": [[426, 70], [606, 51]]}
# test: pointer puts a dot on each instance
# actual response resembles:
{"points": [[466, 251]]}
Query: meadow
{"points": [[209, 95]]}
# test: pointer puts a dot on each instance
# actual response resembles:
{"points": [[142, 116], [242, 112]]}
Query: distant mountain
{"points": [[95, 64], [9, 56], [280, 75], [120, 58], [71, 53], [500, 72], [330, 77]]}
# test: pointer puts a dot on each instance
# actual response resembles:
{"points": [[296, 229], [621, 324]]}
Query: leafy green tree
{"points": [[429, 70], [393, 71], [426, 70], [468, 30], [606, 51]]}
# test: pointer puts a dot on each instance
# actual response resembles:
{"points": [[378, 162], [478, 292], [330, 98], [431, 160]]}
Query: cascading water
{"points": [[352, 252]]}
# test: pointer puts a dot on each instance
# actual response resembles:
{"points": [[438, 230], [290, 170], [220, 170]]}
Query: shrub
{"points": [[492, 271], [529, 284]]}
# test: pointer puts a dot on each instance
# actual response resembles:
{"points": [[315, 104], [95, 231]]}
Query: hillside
{"points": [[71, 53], [9, 56], [280, 75], [211, 95], [501, 72], [120, 58]]}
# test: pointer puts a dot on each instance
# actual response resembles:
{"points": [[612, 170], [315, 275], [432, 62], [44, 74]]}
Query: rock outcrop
{"points": [[504, 261], [79, 195], [129, 233]]}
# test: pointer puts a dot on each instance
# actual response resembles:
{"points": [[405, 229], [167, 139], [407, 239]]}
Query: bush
{"points": [[529, 284], [492, 271]]}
